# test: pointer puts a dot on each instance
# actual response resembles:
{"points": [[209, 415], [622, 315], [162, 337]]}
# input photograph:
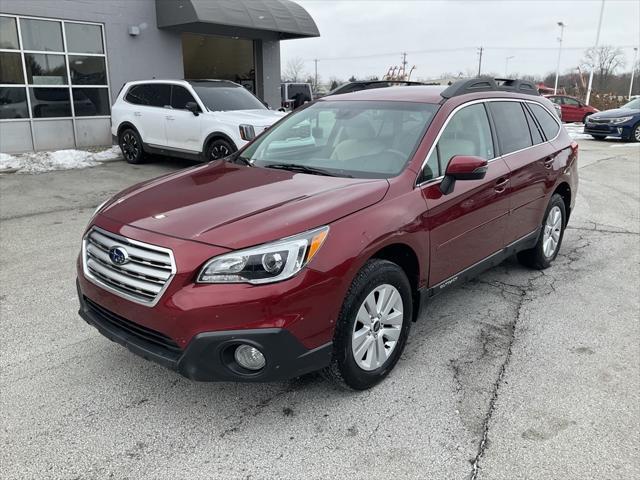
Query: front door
{"points": [[467, 225], [182, 126], [571, 110]]}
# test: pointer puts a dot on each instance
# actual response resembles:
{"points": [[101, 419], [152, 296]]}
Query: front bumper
{"points": [[622, 131], [209, 355]]}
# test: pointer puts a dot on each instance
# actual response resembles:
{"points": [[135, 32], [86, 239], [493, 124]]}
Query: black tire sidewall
{"points": [[140, 156], [374, 273], [633, 132], [542, 260], [213, 143]]}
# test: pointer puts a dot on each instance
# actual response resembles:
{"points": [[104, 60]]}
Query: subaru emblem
{"points": [[118, 255]]}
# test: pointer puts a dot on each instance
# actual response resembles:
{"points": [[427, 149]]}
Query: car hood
{"points": [[234, 206], [616, 112], [257, 118]]}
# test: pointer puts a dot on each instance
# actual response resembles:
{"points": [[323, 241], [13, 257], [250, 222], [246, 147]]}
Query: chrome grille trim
{"points": [[142, 280]]}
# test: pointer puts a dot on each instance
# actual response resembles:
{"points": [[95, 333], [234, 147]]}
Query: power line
{"points": [[454, 49]]}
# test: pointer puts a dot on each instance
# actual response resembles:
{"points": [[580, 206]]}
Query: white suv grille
{"points": [[142, 277]]}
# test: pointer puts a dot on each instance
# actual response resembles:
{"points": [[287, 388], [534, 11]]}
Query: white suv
{"points": [[199, 119]]}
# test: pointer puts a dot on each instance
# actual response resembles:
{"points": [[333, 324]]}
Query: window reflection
{"points": [[45, 69], [87, 70], [50, 102], [91, 101], [42, 35], [13, 103]]}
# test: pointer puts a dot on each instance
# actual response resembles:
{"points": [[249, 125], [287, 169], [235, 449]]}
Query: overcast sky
{"points": [[379, 30]]}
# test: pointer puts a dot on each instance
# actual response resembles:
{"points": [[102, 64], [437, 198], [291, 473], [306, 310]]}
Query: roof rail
{"points": [[488, 84]]}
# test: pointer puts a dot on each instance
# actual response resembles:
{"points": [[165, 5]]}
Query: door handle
{"points": [[169, 117], [137, 114], [501, 185], [548, 162]]}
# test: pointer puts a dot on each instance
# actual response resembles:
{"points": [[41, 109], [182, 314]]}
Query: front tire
{"points": [[131, 146], [218, 148], [635, 133], [553, 225], [373, 325]]}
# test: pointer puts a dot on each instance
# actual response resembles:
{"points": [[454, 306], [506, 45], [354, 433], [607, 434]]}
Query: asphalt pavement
{"points": [[518, 374]]}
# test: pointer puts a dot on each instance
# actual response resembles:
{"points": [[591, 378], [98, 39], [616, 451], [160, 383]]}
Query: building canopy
{"points": [[256, 19]]}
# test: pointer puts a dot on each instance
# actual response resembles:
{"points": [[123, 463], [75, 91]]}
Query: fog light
{"points": [[249, 357]]}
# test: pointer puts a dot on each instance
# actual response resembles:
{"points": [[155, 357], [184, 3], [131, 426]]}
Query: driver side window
{"points": [[467, 133]]}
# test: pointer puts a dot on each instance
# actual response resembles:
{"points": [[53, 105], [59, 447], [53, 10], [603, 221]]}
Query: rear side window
{"points": [[152, 95], [549, 126], [180, 96], [511, 126], [536, 135]]}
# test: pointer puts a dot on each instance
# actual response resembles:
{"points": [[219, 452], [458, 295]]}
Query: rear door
{"points": [[467, 225], [150, 103], [182, 126], [527, 155]]}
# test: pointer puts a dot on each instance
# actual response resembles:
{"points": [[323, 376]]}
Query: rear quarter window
{"points": [[549, 125], [151, 94], [511, 126]]}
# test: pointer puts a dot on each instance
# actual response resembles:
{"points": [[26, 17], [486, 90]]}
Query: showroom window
{"points": [[52, 69]]}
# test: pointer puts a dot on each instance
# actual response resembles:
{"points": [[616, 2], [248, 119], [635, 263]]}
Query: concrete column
{"points": [[268, 71]]}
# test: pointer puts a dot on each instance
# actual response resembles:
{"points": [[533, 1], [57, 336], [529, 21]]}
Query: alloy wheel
{"points": [[130, 147], [552, 231], [636, 133], [219, 151], [377, 327]]}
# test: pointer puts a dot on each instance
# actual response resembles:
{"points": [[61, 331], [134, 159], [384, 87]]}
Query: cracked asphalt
{"points": [[518, 374]]}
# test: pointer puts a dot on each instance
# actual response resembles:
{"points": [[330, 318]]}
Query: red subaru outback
{"points": [[313, 247]]}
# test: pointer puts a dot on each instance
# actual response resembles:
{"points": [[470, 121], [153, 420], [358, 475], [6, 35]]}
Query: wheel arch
{"points": [[215, 136], [564, 190], [125, 125], [406, 258]]}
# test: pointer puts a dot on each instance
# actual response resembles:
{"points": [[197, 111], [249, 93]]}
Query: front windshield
{"points": [[223, 97], [633, 104], [363, 139]]}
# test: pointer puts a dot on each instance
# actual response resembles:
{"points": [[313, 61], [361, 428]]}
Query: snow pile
{"points": [[576, 131], [39, 162]]}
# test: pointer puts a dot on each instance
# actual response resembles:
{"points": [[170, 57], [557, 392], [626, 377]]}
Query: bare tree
{"points": [[294, 71], [604, 61]]}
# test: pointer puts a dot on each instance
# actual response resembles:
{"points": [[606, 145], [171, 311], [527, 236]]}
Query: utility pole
{"points": [[633, 69], [555, 85], [315, 61], [595, 52], [404, 63], [506, 65], [480, 50]]}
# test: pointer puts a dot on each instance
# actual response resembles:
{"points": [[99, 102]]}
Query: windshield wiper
{"points": [[295, 167]]}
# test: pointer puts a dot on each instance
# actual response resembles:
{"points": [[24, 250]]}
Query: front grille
{"points": [[142, 335], [601, 121], [142, 278]]}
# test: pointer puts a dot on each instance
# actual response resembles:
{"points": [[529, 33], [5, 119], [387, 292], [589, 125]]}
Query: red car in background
{"points": [[573, 110]]}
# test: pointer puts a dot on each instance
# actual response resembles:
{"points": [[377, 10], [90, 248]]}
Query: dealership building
{"points": [[63, 62]]}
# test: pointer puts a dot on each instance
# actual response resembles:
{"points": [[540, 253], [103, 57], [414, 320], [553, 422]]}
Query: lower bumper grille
{"points": [[137, 334]]}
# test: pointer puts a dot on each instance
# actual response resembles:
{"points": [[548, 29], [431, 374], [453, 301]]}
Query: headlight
{"points": [[247, 132], [267, 263], [619, 120]]}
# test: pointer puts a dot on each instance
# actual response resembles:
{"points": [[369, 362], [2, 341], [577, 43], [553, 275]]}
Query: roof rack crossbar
{"points": [[488, 84]]}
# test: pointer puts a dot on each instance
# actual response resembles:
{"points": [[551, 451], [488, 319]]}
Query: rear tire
{"points": [[635, 133], [553, 225], [218, 148], [373, 325], [131, 146]]}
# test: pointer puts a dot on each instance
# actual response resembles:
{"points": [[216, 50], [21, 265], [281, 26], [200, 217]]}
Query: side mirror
{"points": [[462, 167], [193, 108]]}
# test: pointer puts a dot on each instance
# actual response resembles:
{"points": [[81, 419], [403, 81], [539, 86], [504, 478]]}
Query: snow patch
{"points": [[39, 162], [576, 131]]}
